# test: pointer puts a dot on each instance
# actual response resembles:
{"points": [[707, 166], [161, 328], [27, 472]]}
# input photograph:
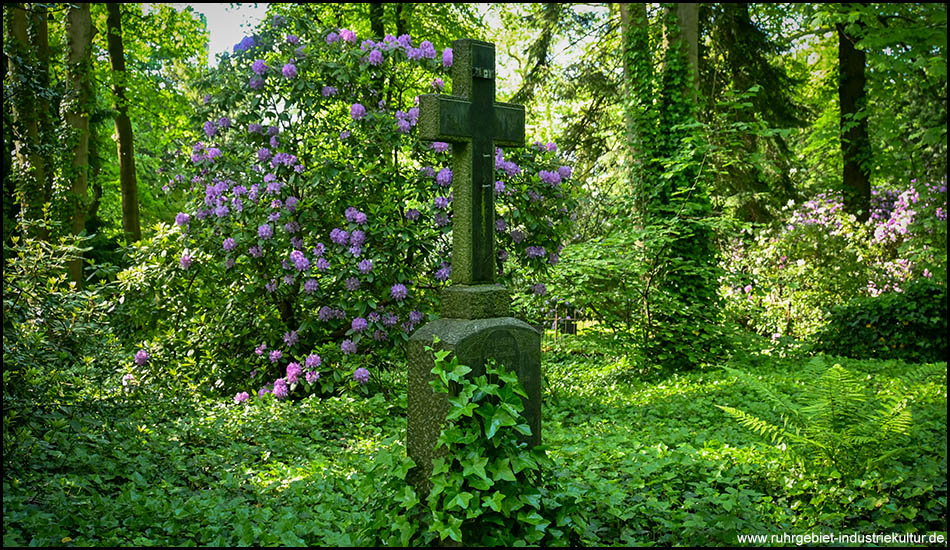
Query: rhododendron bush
{"points": [[318, 225], [785, 280]]}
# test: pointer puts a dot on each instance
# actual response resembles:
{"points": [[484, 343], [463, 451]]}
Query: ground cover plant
{"points": [[629, 461]]}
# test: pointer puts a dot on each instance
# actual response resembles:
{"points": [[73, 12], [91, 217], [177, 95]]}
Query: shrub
{"points": [[319, 223], [910, 325], [58, 349], [787, 278]]}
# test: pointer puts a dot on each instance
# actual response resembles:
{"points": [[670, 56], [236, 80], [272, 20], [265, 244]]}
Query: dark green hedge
{"points": [[909, 325]]}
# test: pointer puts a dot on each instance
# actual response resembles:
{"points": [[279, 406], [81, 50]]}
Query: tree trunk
{"points": [[403, 18], [123, 127], [376, 20], [79, 76], [30, 174], [638, 91], [855, 143]]}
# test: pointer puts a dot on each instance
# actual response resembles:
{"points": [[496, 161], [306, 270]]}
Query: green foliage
{"points": [[636, 461], [909, 325], [485, 482], [483, 488], [58, 349], [836, 421]]}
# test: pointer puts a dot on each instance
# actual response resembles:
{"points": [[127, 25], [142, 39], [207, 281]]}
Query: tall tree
{"points": [[852, 101], [123, 126], [79, 75], [31, 162]]}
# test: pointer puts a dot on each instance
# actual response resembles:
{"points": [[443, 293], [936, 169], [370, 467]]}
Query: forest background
{"points": [[760, 187]]}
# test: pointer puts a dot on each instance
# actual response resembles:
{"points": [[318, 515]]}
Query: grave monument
{"points": [[475, 324]]}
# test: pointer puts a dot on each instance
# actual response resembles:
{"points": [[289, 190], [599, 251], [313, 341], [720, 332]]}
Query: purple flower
{"points": [[311, 286], [348, 346], [312, 376], [210, 128], [441, 220], [185, 261], [444, 272], [332, 37], [322, 264], [438, 84], [357, 111], [280, 388], [255, 251], [289, 70], [535, 251], [293, 372], [256, 83], [241, 397], [141, 357], [246, 44], [564, 172], [293, 39], [271, 286], [352, 284], [415, 316], [412, 214], [447, 57], [427, 49], [259, 67], [224, 122], [357, 237], [300, 260], [361, 375], [375, 57], [348, 36], [551, 178], [359, 324], [398, 292], [254, 128], [539, 289], [444, 177], [328, 91], [439, 146], [265, 231], [318, 249], [365, 266], [182, 219], [441, 203], [339, 236], [517, 236], [313, 360]]}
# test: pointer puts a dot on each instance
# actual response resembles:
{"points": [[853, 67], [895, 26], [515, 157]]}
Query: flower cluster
{"points": [[287, 210]]}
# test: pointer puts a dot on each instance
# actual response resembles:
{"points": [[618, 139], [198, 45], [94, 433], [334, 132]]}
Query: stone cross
{"points": [[474, 123], [475, 324]]}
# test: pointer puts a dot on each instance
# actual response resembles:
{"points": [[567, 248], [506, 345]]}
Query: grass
{"points": [[646, 459]]}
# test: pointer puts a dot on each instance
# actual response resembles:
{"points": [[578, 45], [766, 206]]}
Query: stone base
{"points": [[475, 302], [510, 342]]}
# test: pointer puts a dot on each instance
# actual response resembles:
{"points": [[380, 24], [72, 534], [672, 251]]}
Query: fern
{"points": [[836, 420]]}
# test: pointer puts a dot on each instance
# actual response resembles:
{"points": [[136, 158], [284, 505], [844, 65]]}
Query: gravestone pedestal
{"points": [[488, 333]]}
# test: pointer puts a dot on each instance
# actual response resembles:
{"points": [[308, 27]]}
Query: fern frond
{"points": [[784, 405], [755, 424]]}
